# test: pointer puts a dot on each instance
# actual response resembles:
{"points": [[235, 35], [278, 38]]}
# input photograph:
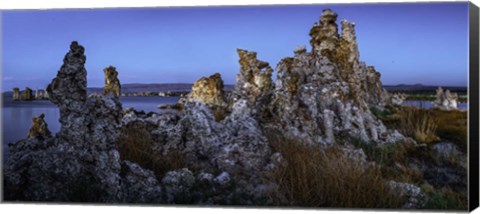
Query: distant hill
{"points": [[183, 87]]}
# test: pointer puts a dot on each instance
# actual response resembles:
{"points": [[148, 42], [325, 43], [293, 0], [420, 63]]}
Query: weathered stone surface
{"points": [[178, 186], [27, 94], [39, 128], [415, 197], [112, 84], [446, 100], [254, 83], [16, 94], [324, 35], [139, 185], [397, 99], [209, 91]]}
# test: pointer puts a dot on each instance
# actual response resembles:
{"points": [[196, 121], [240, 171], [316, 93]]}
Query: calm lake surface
{"points": [[429, 104], [17, 115]]}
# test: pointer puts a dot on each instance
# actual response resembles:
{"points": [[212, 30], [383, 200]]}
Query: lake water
{"points": [[429, 104], [17, 115]]}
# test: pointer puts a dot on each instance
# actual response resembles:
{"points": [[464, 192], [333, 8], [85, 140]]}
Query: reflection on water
{"points": [[17, 115]]}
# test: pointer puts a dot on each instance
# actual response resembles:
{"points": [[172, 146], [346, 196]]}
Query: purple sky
{"points": [[407, 42]]}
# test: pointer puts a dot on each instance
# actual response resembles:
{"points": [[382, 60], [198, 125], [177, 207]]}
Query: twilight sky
{"points": [[408, 43]]}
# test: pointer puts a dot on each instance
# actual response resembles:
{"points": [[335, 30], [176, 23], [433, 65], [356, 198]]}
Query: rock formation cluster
{"points": [[28, 94], [82, 154], [323, 96], [446, 100]]}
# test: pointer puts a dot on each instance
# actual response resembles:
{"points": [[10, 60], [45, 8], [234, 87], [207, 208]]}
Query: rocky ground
{"points": [[318, 132]]}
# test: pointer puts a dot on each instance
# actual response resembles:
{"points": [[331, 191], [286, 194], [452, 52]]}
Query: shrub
{"points": [[320, 177], [135, 144]]}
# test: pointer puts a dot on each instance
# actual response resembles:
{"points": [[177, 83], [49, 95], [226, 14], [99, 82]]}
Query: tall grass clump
{"points": [[418, 123], [136, 145], [452, 126], [326, 177]]}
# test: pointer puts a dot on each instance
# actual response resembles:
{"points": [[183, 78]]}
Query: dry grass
{"points": [[318, 177], [429, 125], [393, 159], [418, 123], [136, 145], [452, 126]]}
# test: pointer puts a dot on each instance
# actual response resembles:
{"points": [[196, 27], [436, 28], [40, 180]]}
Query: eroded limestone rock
{"points": [[27, 94], [324, 35], [209, 91], [112, 84], [82, 155], [397, 99], [254, 83], [16, 94], [39, 128], [446, 100]]}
